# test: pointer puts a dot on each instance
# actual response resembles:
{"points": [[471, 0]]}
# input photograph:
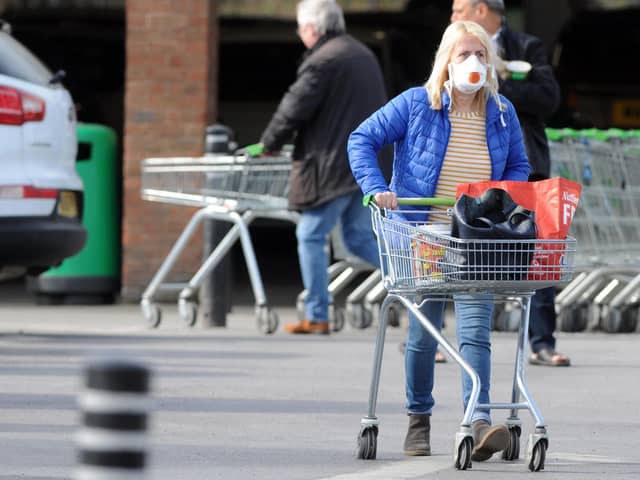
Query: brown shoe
{"points": [[488, 440], [418, 442], [307, 326]]}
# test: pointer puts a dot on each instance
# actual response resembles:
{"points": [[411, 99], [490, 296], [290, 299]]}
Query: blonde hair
{"points": [[440, 72]]}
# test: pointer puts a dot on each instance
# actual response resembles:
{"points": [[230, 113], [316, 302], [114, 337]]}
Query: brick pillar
{"points": [[171, 92]]}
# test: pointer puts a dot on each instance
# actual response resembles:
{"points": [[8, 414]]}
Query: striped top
{"points": [[467, 158]]}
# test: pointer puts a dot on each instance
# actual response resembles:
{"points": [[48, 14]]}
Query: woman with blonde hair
{"points": [[454, 129]]}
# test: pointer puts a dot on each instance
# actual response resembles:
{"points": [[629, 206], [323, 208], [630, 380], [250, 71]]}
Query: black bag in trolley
{"points": [[491, 216]]}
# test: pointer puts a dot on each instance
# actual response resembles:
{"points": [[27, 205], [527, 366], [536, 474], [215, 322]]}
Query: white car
{"points": [[40, 192]]}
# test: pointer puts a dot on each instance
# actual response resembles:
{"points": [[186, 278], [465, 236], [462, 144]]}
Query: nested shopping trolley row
{"points": [[605, 295], [229, 188], [421, 262]]}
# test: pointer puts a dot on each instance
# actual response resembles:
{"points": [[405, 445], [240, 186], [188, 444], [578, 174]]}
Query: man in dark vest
{"points": [[535, 93]]}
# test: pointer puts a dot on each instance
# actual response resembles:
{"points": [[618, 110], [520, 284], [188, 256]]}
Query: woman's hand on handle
{"points": [[386, 200]]}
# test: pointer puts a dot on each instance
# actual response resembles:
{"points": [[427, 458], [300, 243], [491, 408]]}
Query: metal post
{"points": [[215, 292], [112, 440]]}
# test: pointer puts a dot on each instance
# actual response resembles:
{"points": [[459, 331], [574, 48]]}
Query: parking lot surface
{"points": [[232, 403]]}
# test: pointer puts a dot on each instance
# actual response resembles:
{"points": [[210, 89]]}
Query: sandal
{"points": [[550, 358], [440, 357]]}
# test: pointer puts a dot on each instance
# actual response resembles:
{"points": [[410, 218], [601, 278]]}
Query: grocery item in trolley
{"points": [[492, 216], [428, 245], [554, 202]]}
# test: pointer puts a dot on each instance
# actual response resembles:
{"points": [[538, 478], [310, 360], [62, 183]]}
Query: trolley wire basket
{"points": [[234, 181], [418, 256]]}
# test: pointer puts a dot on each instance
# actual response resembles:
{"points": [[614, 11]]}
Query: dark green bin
{"points": [[92, 275]]}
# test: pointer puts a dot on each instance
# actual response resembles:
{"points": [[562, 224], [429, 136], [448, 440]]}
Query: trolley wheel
{"points": [[267, 320], [573, 319], [630, 319], [463, 455], [367, 443], [152, 314], [536, 462], [394, 314], [619, 321], [358, 316], [188, 312], [512, 452], [337, 319], [496, 324], [506, 318]]}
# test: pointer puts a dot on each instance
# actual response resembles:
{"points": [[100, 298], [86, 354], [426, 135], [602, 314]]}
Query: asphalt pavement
{"points": [[232, 403]]}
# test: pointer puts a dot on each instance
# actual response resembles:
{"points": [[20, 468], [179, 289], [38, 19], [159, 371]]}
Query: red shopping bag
{"points": [[554, 202]]}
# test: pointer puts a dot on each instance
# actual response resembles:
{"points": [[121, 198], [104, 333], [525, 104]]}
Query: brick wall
{"points": [[170, 98]]}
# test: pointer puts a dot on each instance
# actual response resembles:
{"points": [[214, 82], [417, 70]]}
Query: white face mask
{"points": [[468, 76]]}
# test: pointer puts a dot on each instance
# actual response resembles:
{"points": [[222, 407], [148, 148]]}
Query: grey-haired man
{"points": [[339, 83]]}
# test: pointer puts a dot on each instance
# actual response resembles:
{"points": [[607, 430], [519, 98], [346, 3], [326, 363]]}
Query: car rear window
{"points": [[18, 62]]}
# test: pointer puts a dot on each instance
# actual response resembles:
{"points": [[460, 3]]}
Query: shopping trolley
{"points": [[230, 188], [418, 259], [605, 294]]}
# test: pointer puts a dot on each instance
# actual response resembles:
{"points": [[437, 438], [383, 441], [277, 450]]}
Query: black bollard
{"points": [[215, 291], [112, 440]]}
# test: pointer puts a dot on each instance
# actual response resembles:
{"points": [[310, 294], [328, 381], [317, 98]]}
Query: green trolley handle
{"points": [[422, 202]]}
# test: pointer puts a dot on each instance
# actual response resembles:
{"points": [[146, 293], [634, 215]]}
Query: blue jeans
{"points": [[473, 328], [313, 232]]}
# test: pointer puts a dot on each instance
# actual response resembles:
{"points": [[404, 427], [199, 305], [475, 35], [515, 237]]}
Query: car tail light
{"points": [[18, 107], [27, 191], [33, 108], [33, 192], [10, 106]]}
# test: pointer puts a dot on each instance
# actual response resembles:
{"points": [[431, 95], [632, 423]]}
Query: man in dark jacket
{"points": [[536, 95], [339, 83]]}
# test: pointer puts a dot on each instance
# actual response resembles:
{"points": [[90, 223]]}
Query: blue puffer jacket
{"points": [[420, 136]]}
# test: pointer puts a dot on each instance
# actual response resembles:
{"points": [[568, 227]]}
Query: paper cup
{"points": [[519, 69]]}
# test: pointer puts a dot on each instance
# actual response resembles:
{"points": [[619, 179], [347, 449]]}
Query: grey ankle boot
{"points": [[417, 442], [488, 440]]}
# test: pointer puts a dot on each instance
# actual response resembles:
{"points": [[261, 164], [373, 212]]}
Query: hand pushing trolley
{"points": [[230, 188], [419, 259]]}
